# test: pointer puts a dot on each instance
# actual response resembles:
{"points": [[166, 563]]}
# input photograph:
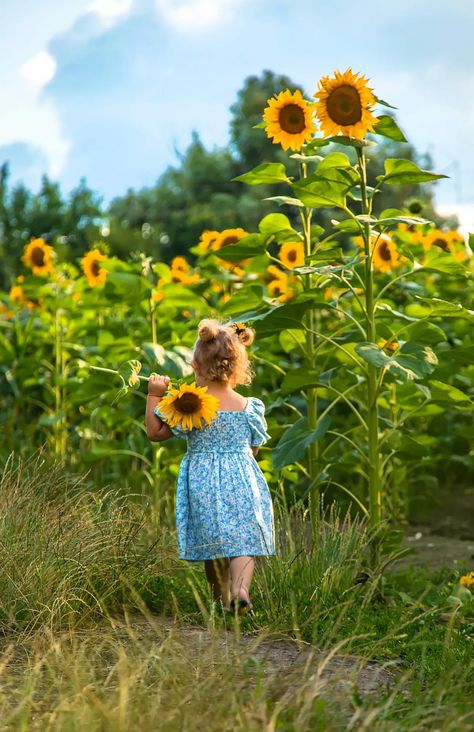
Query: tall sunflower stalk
{"points": [[344, 112], [344, 107], [311, 392], [289, 121], [374, 482]]}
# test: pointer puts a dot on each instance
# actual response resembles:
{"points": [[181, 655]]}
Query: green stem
{"points": [[375, 509], [58, 423], [311, 393]]}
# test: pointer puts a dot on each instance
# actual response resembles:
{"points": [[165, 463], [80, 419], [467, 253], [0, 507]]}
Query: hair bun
{"points": [[208, 330], [246, 336]]}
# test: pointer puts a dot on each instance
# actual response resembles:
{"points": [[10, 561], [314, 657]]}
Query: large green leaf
{"points": [[247, 296], [334, 160], [300, 379], [178, 296], [387, 127], [415, 360], [440, 308], [295, 441], [439, 261], [285, 201], [288, 315], [442, 392], [405, 172], [276, 223], [126, 286], [248, 246], [326, 191], [264, 174]]}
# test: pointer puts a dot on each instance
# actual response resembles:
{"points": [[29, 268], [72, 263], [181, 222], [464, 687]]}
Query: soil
{"points": [[285, 666], [435, 551]]}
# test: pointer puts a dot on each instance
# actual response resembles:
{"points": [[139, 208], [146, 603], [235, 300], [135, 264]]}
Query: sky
{"points": [[111, 90]]}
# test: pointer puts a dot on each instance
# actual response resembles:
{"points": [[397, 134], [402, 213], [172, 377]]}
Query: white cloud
{"points": [[464, 212], [39, 69], [111, 8], [196, 15]]}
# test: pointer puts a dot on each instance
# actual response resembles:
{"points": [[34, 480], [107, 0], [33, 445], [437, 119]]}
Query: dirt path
{"points": [[435, 551], [284, 666]]}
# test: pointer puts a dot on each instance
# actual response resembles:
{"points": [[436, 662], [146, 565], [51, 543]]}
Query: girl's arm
{"points": [[255, 450], [156, 429]]}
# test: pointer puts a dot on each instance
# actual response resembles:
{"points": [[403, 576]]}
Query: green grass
{"points": [[73, 560]]}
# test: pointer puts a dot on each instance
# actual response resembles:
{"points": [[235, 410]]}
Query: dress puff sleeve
{"points": [[177, 431], [257, 422]]}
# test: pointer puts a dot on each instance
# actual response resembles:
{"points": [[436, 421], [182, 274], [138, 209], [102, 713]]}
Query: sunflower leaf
{"points": [[440, 261], [247, 296], [248, 246], [264, 174], [295, 441], [387, 127], [350, 141], [383, 103], [326, 191], [442, 392], [285, 201], [400, 172], [415, 360], [274, 223]]}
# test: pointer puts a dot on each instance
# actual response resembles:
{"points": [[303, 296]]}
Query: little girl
{"points": [[224, 511]]}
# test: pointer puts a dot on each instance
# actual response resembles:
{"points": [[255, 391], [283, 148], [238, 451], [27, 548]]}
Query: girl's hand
{"points": [[158, 385]]}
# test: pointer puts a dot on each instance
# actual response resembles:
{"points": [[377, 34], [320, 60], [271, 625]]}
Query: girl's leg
{"points": [[241, 570], [218, 575]]}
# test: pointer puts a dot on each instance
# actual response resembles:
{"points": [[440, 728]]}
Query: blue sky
{"points": [[109, 89]]}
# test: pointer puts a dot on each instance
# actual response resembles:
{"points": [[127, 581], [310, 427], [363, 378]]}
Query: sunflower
{"points": [[387, 345], [343, 105], [292, 254], [448, 241], [188, 405], [276, 273], [95, 274], [17, 294], [206, 241], [385, 256], [279, 288], [183, 277], [180, 264], [467, 580], [37, 256], [407, 232], [289, 119], [226, 238]]}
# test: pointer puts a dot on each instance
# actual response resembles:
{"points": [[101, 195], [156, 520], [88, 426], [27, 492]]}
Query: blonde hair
{"points": [[220, 352]]}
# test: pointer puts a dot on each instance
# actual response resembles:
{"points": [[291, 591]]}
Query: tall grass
{"points": [[84, 573], [68, 553]]}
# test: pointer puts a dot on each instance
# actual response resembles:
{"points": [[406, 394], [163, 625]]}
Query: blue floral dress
{"points": [[223, 503]]}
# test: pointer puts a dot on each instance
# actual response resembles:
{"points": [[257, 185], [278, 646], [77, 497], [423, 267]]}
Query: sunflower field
{"points": [[363, 352], [363, 347]]}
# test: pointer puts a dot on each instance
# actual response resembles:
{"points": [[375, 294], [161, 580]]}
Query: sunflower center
{"points": [[384, 252], [442, 244], [343, 105], [95, 268], [188, 403], [292, 255], [37, 257], [291, 119]]}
